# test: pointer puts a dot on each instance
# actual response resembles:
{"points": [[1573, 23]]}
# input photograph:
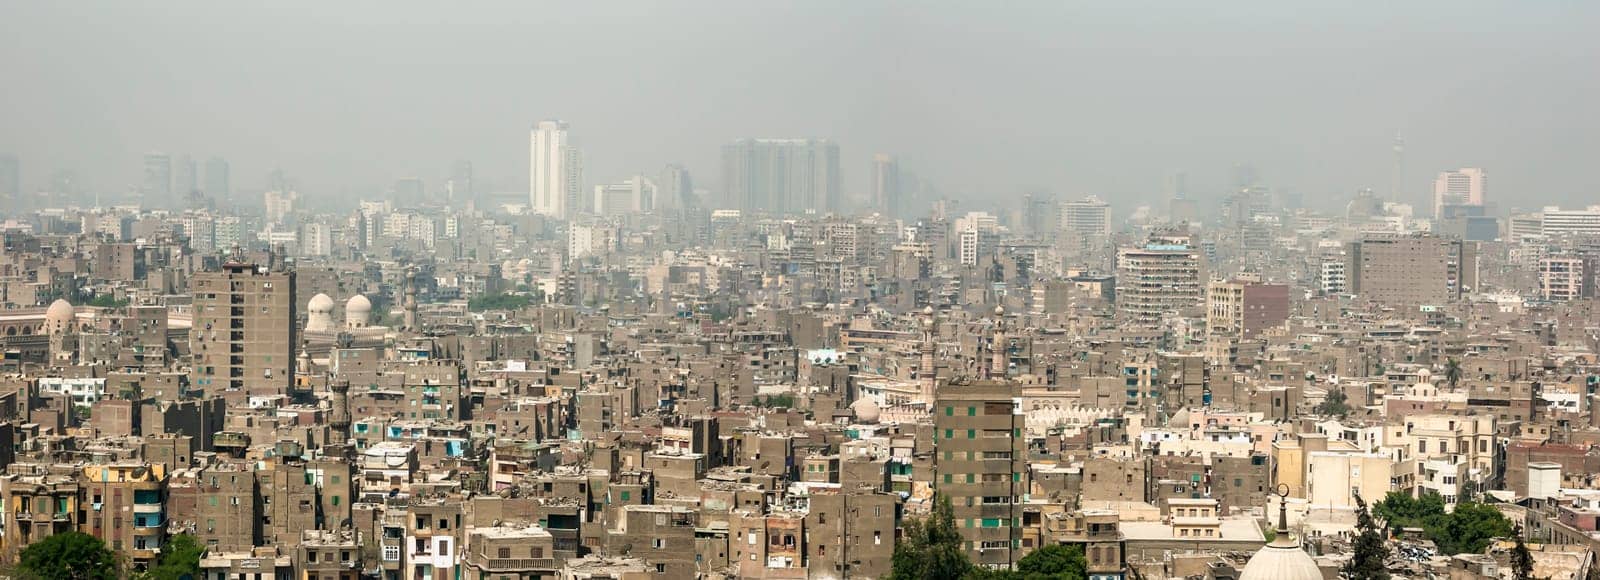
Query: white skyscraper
{"points": [[555, 170], [1465, 186]]}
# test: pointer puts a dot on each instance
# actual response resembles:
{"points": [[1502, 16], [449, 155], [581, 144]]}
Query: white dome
{"points": [[357, 312], [59, 317], [319, 314], [1281, 560], [866, 410]]}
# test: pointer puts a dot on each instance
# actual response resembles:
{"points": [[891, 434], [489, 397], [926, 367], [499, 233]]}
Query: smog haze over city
{"points": [[988, 101], [823, 290]]}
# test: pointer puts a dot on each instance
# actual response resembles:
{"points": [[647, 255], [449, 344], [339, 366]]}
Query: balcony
{"points": [[333, 566], [40, 517], [497, 565]]}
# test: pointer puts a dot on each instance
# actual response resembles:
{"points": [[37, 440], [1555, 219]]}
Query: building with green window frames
{"points": [[979, 453]]}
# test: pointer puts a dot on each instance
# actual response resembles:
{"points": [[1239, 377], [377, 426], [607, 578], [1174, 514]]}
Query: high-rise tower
{"points": [[157, 185], [886, 185], [781, 175], [555, 170], [1465, 186], [245, 331]]}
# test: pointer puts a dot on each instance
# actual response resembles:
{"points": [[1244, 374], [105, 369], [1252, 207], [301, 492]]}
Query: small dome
{"points": [[60, 310], [320, 303], [59, 317], [357, 312], [319, 314], [866, 410]]}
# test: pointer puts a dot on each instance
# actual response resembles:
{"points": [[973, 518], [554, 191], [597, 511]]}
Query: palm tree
{"points": [[1452, 371]]}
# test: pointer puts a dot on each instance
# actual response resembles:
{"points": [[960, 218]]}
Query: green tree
{"points": [[106, 301], [1050, 562], [931, 548], [180, 560], [1452, 371], [1371, 549], [1469, 528], [1521, 559], [1400, 510], [1056, 562], [68, 556], [1334, 405], [498, 302], [783, 401]]}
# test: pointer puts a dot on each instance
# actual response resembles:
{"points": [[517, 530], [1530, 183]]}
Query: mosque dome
{"points": [[59, 317], [319, 314], [357, 312], [866, 410], [1281, 560]]}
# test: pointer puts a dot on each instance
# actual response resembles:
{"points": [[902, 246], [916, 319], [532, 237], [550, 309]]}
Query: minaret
{"points": [[1398, 169], [410, 302], [302, 364], [341, 411], [997, 348], [926, 374]]}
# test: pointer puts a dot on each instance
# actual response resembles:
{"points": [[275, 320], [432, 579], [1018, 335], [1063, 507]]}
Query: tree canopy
{"points": [[68, 556], [180, 560], [1521, 559], [498, 302], [1371, 549], [932, 547], [1334, 405], [1467, 529]]}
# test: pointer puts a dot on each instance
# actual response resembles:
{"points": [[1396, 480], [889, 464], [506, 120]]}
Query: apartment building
{"points": [[979, 465]]}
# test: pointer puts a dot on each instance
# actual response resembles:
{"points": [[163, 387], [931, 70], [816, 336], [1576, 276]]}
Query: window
{"points": [[503, 553], [658, 543]]}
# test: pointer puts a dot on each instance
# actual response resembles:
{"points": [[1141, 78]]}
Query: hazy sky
{"points": [[991, 98]]}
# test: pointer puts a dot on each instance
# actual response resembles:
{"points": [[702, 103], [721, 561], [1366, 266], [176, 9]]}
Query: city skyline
{"points": [[1357, 81], [834, 290]]}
